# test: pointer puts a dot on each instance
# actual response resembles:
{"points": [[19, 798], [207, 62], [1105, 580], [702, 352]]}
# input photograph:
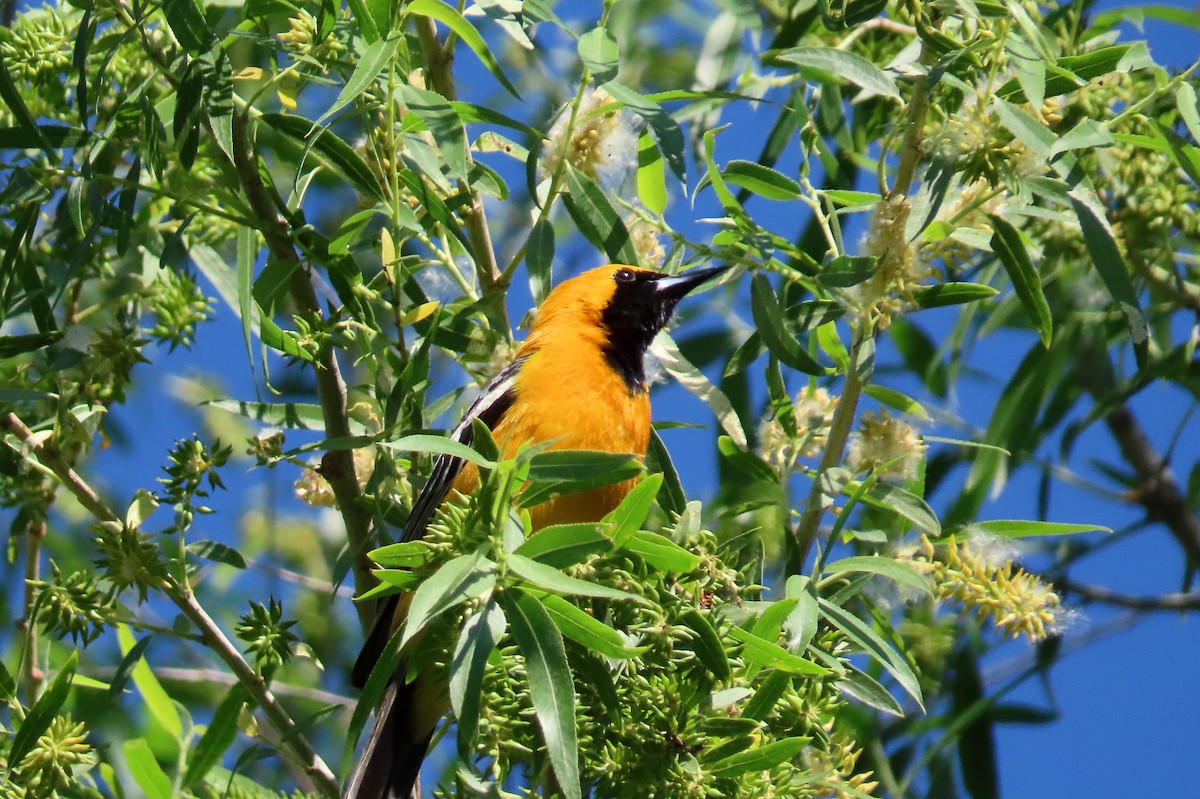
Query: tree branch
{"points": [[337, 466], [292, 741], [1096, 593]]}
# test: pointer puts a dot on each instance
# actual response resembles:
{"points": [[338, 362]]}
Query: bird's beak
{"points": [[675, 287]]}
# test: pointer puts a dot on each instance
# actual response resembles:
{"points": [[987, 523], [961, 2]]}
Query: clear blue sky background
{"points": [[1147, 677]]}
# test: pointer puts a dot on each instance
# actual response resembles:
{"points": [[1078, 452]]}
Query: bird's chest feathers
{"points": [[570, 394]]}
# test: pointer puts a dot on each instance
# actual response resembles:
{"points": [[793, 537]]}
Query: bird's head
{"points": [[623, 307]]}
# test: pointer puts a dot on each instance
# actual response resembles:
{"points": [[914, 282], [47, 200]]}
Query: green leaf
{"points": [[661, 552], [374, 59], [443, 122], [952, 294], [340, 156], [1010, 249], [8, 686], [651, 177], [901, 573], [562, 545], [144, 768], [1106, 256], [690, 377], [866, 689], [402, 555], [843, 65], [216, 740], [904, 503], [560, 472], [539, 256], [1012, 528], [760, 758], [290, 415], [666, 131], [480, 633], [217, 552], [551, 579], [623, 521], [896, 399], [187, 22], [40, 716], [600, 54], [16, 256], [439, 445], [869, 641], [1028, 130], [671, 497], [157, 700], [1087, 135], [706, 644], [551, 686], [768, 320], [1185, 101], [449, 16], [458, 580], [21, 114], [771, 655], [596, 218], [582, 627], [761, 180]]}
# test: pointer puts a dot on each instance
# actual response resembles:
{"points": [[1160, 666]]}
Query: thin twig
{"points": [[1096, 593], [293, 742], [34, 535]]}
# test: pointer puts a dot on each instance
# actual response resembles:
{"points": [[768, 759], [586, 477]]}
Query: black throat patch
{"points": [[632, 317]]}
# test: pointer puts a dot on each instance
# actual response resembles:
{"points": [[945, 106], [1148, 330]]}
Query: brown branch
{"points": [[293, 743], [1159, 492], [337, 466], [170, 674], [438, 62], [1096, 593]]}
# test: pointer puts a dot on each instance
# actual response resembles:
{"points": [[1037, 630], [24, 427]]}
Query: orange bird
{"points": [[578, 381]]}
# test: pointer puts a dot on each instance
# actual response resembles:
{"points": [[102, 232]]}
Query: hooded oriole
{"points": [[578, 382]]}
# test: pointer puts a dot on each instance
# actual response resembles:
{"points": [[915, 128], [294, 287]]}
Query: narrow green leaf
{"points": [[952, 294], [16, 257], [666, 132], [1010, 249], [671, 497], [713, 175], [8, 686], [901, 573], [661, 552], [651, 176], [843, 65], [906, 504], [439, 445], [144, 768], [596, 218], [374, 59], [600, 54], [690, 377], [551, 685], [562, 545], [1110, 265], [869, 641], [707, 644], [539, 256], [449, 16], [480, 633], [771, 655], [128, 660], [21, 114], [551, 579], [760, 758], [896, 399], [626, 519], [769, 322], [217, 552], [1185, 101], [761, 180], [216, 740], [1013, 528], [340, 156], [1087, 135], [40, 716], [187, 22], [157, 700], [402, 555], [767, 694], [866, 689], [589, 631], [443, 123], [1031, 132], [456, 581]]}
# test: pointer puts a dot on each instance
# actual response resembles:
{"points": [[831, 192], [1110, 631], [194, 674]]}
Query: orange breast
{"points": [[568, 395]]}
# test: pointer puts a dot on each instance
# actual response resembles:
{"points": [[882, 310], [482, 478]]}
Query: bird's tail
{"points": [[390, 764]]}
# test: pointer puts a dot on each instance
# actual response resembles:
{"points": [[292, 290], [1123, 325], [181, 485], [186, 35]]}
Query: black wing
{"points": [[489, 408]]}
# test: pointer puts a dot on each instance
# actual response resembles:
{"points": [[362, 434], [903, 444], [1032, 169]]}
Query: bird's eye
{"points": [[623, 276]]}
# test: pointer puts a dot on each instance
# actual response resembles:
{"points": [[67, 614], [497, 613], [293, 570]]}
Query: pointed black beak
{"points": [[675, 287]]}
